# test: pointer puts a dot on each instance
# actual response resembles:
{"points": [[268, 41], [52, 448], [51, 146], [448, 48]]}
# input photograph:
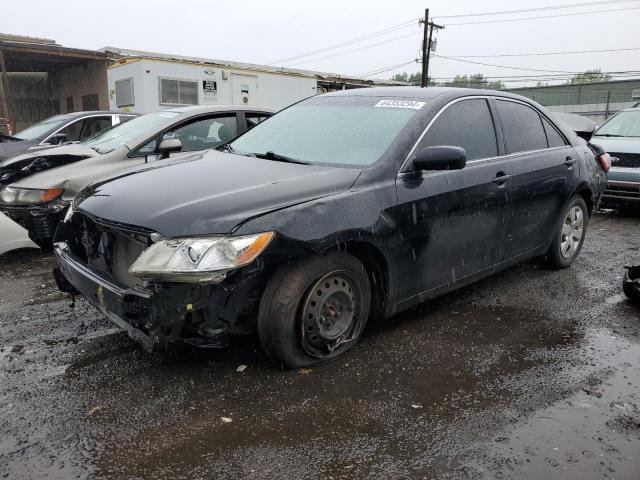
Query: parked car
{"points": [[620, 137], [68, 127], [345, 206], [35, 189]]}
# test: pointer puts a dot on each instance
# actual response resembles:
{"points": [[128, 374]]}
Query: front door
{"points": [[245, 89], [454, 223]]}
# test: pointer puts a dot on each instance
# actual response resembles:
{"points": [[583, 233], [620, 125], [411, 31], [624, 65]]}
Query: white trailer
{"points": [[144, 82]]}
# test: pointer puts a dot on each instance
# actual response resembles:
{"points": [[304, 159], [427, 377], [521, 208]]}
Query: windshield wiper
{"points": [[279, 158]]}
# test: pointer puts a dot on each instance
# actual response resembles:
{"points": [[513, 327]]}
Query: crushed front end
{"points": [[93, 259]]}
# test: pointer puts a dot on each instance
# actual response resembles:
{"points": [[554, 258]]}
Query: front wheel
{"points": [[569, 234], [315, 310]]}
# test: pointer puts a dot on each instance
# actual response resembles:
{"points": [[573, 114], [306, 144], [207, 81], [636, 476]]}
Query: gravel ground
{"points": [[529, 374]]}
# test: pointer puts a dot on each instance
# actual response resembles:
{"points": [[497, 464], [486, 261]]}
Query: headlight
{"points": [[28, 196], [205, 259]]}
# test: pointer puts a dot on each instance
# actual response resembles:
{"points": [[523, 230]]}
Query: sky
{"points": [[266, 32]]}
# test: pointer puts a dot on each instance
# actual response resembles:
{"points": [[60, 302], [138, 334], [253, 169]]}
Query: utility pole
{"points": [[426, 46], [425, 50]]}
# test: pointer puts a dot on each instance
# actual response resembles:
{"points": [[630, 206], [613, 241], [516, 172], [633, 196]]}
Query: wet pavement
{"points": [[529, 374]]}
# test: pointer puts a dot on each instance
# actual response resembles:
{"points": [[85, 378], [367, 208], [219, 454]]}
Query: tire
{"points": [[566, 246], [331, 325]]}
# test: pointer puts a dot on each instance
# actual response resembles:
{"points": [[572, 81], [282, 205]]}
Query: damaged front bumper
{"points": [[40, 221], [162, 313]]}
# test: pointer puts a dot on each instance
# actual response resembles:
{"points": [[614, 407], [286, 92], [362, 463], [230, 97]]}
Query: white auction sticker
{"points": [[412, 104]]}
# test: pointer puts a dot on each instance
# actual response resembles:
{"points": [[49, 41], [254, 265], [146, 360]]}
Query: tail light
{"points": [[604, 160]]}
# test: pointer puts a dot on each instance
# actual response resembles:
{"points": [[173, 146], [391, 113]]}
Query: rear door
{"points": [[545, 172], [456, 221]]}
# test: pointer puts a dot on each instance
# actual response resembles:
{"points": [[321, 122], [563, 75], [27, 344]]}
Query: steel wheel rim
{"points": [[331, 314], [572, 232]]}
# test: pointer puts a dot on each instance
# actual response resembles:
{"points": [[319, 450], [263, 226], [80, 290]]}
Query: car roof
{"points": [[96, 112], [423, 93], [194, 109]]}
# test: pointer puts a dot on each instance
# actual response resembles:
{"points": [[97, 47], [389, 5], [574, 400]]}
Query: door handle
{"points": [[501, 178], [569, 161]]}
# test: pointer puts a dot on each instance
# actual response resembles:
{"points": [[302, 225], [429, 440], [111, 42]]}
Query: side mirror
{"points": [[440, 158], [168, 146], [58, 139]]}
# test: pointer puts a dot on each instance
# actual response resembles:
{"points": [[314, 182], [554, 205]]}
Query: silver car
{"points": [[54, 177]]}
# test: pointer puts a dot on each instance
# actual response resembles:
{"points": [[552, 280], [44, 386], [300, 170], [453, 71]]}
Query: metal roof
{"points": [[115, 53]]}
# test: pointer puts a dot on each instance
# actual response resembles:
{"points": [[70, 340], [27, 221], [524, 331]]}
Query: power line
{"points": [[537, 9], [385, 69], [400, 26], [545, 53], [502, 66], [541, 17], [352, 50]]}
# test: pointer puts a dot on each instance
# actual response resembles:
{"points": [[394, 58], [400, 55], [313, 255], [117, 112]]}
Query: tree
{"points": [[474, 81], [414, 78], [590, 76]]}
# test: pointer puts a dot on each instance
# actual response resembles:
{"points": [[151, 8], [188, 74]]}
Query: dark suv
{"points": [[343, 207]]}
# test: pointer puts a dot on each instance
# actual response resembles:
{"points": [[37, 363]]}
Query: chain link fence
{"points": [[597, 101]]}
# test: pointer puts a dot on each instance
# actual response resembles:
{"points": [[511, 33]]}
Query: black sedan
{"points": [[344, 207]]}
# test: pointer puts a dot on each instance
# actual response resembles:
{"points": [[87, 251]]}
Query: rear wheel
{"points": [[569, 234], [315, 310]]}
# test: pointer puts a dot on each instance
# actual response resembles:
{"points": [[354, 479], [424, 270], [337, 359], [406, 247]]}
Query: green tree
{"points": [[413, 78], [590, 76], [474, 81]]}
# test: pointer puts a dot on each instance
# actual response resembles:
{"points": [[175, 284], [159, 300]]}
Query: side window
{"points": [[522, 127], [72, 131], [94, 125], [205, 133], [125, 118], [467, 124], [147, 149], [254, 118], [553, 137]]}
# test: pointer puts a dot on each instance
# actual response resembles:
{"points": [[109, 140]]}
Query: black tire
{"points": [[282, 330], [555, 257]]}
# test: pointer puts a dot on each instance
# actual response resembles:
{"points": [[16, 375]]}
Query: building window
{"points": [[90, 102], [69, 104], [178, 92], [124, 92]]}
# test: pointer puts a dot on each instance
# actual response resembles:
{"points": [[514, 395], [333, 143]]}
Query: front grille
{"points": [[623, 193], [629, 160], [106, 248]]}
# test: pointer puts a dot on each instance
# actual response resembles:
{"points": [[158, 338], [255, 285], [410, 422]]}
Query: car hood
{"points": [[210, 194], [618, 144], [10, 148], [37, 161]]}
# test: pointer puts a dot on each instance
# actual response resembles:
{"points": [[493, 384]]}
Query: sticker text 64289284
{"points": [[412, 104]]}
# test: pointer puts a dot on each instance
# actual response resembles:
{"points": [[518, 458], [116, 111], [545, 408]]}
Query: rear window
{"points": [[467, 124], [522, 127]]}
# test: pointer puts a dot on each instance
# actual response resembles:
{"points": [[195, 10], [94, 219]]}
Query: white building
{"points": [[144, 82]]}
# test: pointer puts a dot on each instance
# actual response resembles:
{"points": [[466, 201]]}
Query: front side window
{"points": [[72, 131], [346, 131], [624, 124], [178, 92], [123, 133], [467, 124], [522, 127], [93, 125], [205, 133]]}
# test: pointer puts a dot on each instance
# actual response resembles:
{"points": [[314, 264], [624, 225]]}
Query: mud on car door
{"points": [[455, 222]]}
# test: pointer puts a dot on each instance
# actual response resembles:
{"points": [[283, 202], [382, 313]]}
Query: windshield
{"points": [[329, 130], [109, 140], [40, 130], [624, 124]]}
